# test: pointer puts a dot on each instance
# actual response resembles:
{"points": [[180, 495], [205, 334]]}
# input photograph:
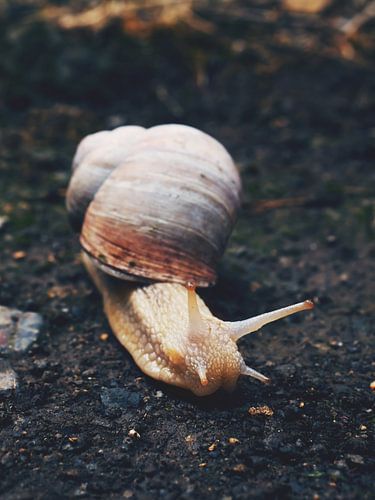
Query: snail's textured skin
{"points": [[172, 335], [152, 323]]}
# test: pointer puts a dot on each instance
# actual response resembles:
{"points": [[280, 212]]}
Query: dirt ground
{"points": [[293, 100]]}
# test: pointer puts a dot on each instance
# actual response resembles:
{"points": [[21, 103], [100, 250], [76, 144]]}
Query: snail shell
{"points": [[154, 204]]}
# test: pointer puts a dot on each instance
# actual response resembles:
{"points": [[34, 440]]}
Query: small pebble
{"points": [[60, 292], [331, 238], [341, 464], [4, 219], [355, 459], [81, 490], [239, 468], [134, 434], [18, 330], [8, 377], [19, 255], [260, 410]]}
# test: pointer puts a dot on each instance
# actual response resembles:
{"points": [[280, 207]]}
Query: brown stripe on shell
{"points": [[144, 256]]}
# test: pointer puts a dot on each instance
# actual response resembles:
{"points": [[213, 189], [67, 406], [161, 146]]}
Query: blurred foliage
{"points": [[139, 40]]}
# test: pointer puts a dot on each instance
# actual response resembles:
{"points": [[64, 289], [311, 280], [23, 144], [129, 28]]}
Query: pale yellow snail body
{"points": [[156, 208]]}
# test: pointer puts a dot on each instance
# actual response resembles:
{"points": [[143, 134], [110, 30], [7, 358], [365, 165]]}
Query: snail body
{"points": [[155, 208]]}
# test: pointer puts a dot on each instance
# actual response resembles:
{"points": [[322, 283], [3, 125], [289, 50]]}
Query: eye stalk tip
{"points": [[309, 304], [250, 372]]}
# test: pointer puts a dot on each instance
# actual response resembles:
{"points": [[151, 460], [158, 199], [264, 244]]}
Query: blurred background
{"points": [[289, 88]]}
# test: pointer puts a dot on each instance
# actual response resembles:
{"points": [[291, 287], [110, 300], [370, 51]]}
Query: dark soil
{"points": [[294, 102]]}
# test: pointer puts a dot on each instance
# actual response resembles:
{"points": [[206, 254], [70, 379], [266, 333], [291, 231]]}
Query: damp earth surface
{"points": [[293, 99]]}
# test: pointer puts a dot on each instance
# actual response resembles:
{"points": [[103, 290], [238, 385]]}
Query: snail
{"points": [[155, 208]]}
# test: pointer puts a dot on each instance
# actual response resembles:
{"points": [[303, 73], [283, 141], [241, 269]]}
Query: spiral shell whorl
{"points": [[96, 156], [158, 203]]}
